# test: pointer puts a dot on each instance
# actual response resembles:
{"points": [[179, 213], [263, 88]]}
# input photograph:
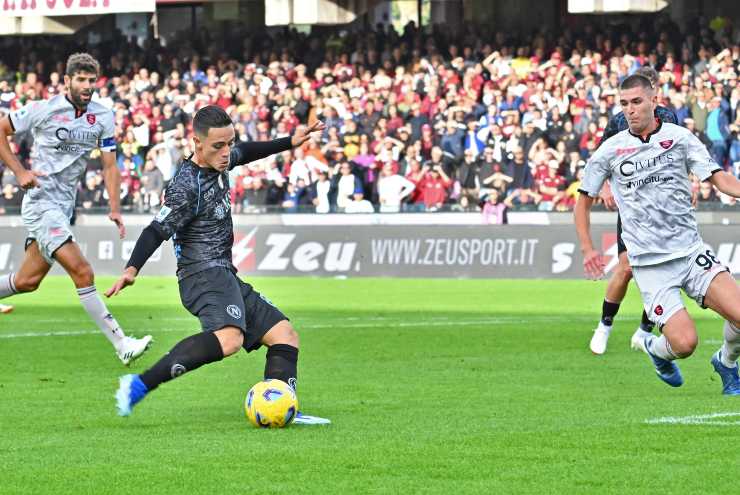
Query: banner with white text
{"points": [[380, 251]]}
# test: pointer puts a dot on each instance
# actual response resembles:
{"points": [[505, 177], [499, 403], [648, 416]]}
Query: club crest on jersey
{"points": [[666, 144], [234, 311], [220, 212], [90, 118]]}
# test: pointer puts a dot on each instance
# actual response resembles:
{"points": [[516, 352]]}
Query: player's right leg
{"points": [[187, 355], [68, 255], [723, 296], [615, 291], [662, 299], [214, 296]]}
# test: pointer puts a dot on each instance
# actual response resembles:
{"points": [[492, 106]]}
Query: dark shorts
{"points": [[220, 299], [621, 248]]}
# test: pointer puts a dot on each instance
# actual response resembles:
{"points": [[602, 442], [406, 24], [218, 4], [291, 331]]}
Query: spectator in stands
{"points": [[434, 188], [392, 189]]}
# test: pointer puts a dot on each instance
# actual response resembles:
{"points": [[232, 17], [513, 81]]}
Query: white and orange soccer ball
{"points": [[271, 404]]}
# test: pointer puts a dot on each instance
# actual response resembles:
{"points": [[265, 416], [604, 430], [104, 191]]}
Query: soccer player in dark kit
{"points": [[196, 214]]}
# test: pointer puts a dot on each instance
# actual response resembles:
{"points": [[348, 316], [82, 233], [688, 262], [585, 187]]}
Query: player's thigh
{"points": [[214, 297], [266, 324], [680, 331], [33, 268], [723, 296], [50, 229], [660, 289]]}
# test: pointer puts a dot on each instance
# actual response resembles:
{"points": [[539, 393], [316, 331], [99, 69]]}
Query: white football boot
{"points": [[600, 339], [132, 348]]}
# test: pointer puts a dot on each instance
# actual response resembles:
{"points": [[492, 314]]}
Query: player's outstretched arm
{"points": [[593, 264], [255, 150], [726, 183], [112, 178], [26, 178]]}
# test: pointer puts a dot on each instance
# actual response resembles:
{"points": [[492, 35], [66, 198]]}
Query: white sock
{"points": [[7, 285], [97, 310], [731, 347], [660, 347]]}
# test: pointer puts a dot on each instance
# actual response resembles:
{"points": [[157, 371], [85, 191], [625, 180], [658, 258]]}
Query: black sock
{"points": [[646, 325], [608, 312], [189, 354], [282, 363]]}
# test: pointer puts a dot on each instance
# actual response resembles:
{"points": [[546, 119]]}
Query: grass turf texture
{"points": [[434, 386]]}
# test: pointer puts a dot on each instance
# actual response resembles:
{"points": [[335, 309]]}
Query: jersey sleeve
{"points": [[597, 171], [28, 116], [698, 160], [246, 152], [179, 209], [108, 136]]}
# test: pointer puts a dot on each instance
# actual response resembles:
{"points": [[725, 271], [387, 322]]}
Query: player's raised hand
{"points": [[303, 133], [593, 264], [116, 218], [128, 278], [27, 178]]}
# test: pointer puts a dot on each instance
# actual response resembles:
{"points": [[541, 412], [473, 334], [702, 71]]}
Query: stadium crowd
{"points": [[476, 120]]}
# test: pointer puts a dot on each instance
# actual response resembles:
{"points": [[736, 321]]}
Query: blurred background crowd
{"points": [[416, 121]]}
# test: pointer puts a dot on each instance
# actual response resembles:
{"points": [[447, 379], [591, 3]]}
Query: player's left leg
{"points": [[282, 342], [723, 296], [70, 257], [659, 287]]}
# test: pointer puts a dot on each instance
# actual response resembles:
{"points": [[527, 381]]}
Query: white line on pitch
{"points": [[714, 419]]}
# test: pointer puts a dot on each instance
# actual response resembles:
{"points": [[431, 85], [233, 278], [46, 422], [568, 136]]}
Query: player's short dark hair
{"points": [[82, 62], [636, 81], [208, 117], [650, 73]]}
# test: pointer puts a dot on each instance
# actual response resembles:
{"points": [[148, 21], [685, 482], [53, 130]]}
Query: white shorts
{"points": [[49, 228], [660, 285]]}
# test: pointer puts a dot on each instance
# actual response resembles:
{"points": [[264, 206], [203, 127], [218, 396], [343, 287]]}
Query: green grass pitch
{"points": [[434, 386]]}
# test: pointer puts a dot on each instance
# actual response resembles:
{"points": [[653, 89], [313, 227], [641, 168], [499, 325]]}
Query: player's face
{"points": [[214, 150], [638, 105], [81, 86]]}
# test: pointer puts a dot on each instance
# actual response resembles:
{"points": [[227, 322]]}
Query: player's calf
{"points": [[189, 354], [281, 361]]}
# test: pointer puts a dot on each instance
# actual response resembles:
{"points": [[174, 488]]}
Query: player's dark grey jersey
{"points": [[650, 182], [197, 210]]}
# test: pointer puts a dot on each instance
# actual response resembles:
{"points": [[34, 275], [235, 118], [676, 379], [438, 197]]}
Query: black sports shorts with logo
{"points": [[621, 248], [219, 298]]}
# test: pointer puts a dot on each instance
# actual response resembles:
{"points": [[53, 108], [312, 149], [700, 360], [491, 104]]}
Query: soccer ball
{"points": [[271, 404]]}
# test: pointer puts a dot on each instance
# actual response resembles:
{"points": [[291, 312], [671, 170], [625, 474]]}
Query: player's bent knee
{"points": [[685, 345], [82, 274], [231, 340], [282, 333], [27, 284]]}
